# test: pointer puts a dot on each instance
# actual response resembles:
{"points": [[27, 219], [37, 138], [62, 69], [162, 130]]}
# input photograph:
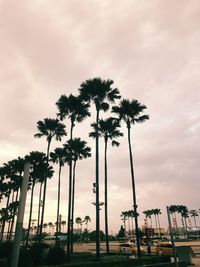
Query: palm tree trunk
{"points": [[97, 189], [69, 200], [134, 194], [30, 213], [39, 208], [44, 195], [73, 197], [58, 206], [106, 198]]}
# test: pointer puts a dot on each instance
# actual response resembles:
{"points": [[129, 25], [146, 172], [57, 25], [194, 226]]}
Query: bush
{"points": [[56, 255], [6, 249], [25, 258], [37, 252]]}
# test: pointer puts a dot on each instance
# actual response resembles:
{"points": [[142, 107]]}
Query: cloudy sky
{"points": [[151, 51]]}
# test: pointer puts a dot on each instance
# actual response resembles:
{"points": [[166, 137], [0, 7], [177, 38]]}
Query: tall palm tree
{"points": [[79, 150], [99, 92], [157, 212], [183, 210], [49, 128], [130, 112], [87, 219], [60, 157], [173, 209], [132, 214], [194, 214], [109, 130], [124, 218], [63, 223], [16, 168], [79, 222], [73, 108], [39, 169]]}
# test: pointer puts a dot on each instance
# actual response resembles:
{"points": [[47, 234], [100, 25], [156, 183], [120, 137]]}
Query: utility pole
{"points": [[20, 217]]}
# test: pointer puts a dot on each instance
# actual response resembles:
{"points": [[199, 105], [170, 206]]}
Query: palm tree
{"points": [[73, 108], [60, 157], [87, 219], [173, 210], [16, 168], [132, 215], [194, 214], [98, 91], [39, 169], [50, 224], [79, 222], [79, 150], [130, 113], [183, 210], [157, 212], [49, 128], [108, 129], [124, 218], [63, 223]]}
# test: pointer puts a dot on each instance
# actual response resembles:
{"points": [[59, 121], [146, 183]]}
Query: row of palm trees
{"points": [[185, 213], [128, 216], [148, 215], [76, 108], [100, 93]]}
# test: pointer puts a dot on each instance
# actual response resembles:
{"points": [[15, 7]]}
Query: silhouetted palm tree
{"points": [[39, 169], [79, 150], [124, 218], [60, 157], [87, 219], [173, 210], [108, 129], [49, 128], [130, 112], [73, 108], [183, 210], [98, 91], [63, 223], [194, 214]]}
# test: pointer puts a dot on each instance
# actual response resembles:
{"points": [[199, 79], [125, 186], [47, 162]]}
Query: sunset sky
{"points": [[151, 50]]}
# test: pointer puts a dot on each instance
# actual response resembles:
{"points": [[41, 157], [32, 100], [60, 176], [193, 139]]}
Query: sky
{"points": [[150, 49]]}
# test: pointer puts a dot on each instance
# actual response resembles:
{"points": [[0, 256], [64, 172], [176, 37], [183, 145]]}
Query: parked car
{"points": [[164, 248], [51, 239], [129, 248]]}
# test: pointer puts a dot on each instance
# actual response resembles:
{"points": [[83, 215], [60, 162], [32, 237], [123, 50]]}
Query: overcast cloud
{"points": [[151, 51]]}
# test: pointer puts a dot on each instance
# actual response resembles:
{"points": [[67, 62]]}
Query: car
{"points": [[51, 239], [164, 248], [129, 248]]}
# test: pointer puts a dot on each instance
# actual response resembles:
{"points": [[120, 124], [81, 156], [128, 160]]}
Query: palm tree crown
{"points": [[98, 91], [50, 128], [129, 112], [108, 129], [72, 107]]}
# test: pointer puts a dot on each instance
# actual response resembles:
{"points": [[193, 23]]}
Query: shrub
{"points": [[25, 258], [56, 255], [6, 248], [37, 252]]}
